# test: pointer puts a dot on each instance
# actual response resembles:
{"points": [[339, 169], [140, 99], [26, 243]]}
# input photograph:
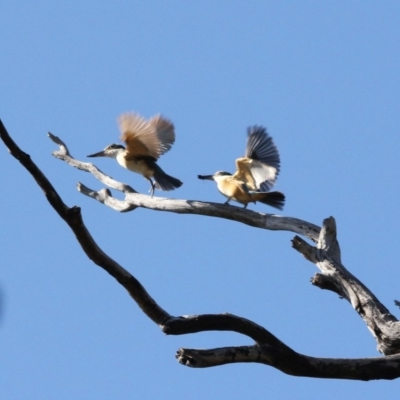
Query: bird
{"points": [[255, 174], [146, 141]]}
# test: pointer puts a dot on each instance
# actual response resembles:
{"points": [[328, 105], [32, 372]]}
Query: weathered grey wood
{"points": [[268, 349], [134, 200], [335, 277], [64, 154]]}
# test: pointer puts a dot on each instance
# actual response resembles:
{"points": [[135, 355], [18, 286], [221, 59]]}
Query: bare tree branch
{"points": [[64, 155], [335, 277], [133, 200], [291, 363], [268, 349]]}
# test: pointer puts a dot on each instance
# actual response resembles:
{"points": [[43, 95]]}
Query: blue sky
{"points": [[322, 76]]}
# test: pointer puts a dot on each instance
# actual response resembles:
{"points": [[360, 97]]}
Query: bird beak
{"points": [[99, 154], [208, 177]]}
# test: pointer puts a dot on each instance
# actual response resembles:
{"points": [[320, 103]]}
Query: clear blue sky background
{"points": [[323, 76]]}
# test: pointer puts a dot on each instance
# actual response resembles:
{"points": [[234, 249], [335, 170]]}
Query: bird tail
{"points": [[273, 199], [164, 181]]}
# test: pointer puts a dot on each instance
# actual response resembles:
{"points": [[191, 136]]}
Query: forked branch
{"points": [[335, 277]]}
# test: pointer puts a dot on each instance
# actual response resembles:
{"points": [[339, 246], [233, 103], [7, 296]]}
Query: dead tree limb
{"points": [[134, 200], [267, 349], [335, 277]]}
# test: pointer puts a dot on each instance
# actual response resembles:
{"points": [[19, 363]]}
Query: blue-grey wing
{"points": [[261, 148]]}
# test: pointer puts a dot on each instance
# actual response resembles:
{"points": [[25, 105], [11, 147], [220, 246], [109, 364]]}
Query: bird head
{"points": [[215, 177], [110, 151]]}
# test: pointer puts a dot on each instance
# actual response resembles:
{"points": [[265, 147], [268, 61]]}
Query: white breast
{"points": [[138, 166]]}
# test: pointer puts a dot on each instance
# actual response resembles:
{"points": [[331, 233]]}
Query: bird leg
{"points": [[153, 186]]}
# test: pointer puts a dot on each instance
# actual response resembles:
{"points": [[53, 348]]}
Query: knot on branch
{"points": [[325, 282]]}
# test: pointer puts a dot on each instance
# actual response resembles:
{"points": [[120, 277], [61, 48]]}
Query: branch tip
{"points": [[63, 147], [185, 359]]}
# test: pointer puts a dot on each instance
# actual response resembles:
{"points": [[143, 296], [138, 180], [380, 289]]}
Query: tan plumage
{"points": [[152, 137], [146, 141], [255, 174]]}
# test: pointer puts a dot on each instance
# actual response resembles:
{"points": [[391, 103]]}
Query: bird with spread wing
{"points": [[255, 174], [146, 141]]}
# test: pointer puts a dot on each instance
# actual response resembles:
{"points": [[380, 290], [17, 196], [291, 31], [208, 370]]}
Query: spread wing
{"points": [[265, 161], [146, 138], [165, 132]]}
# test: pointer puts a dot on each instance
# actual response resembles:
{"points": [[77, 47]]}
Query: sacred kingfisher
{"points": [[146, 141], [255, 174]]}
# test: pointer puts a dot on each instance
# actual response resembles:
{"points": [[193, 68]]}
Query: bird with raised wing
{"points": [[146, 141], [255, 174]]}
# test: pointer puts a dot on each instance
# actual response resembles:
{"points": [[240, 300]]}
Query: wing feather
{"points": [[165, 132], [264, 164], [261, 147], [146, 138]]}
